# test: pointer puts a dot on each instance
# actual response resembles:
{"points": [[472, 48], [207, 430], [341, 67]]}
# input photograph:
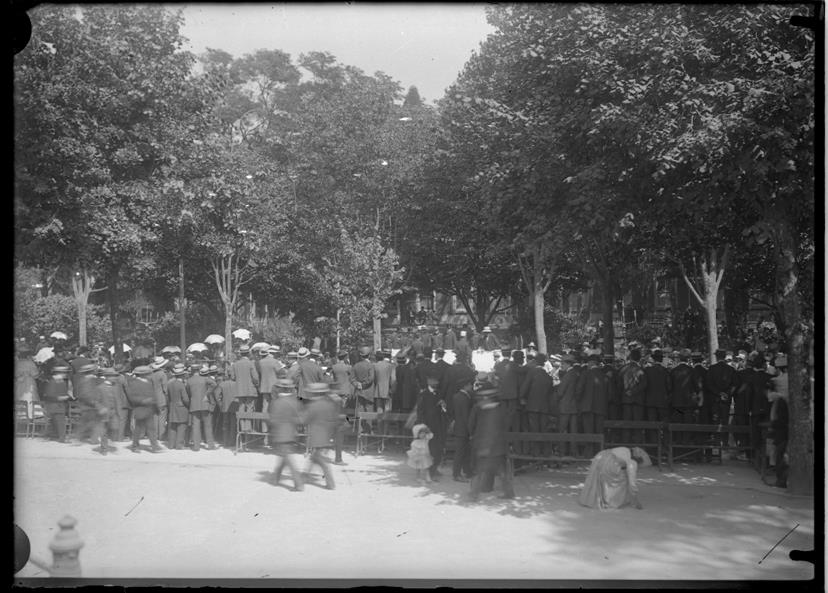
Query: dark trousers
{"points": [[722, 411], [202, 418], [684, 415], [568, 425], [161, 421], [339, 439], [145, 426], [318, 458], [781, 466], [587, 422], [756, 433], [436, 446], [486, 468], [123, 422], [462, 456], [535, 422], [284, 456], [263, 405], [176, 435], [56, 412], [634, 412], [614, 413]]}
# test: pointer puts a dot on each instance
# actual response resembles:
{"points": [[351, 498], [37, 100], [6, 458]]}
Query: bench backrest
{"points": [[556, 437], [737, 428]]}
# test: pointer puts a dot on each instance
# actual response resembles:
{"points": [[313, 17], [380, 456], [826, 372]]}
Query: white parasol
{"points": [[125, 346], [171, 349], [242, 334], [44, 354], [59, 336], [214, 339], [197, 347]]}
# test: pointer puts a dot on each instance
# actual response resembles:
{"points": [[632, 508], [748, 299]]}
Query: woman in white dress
{"points": [[611, 481]]}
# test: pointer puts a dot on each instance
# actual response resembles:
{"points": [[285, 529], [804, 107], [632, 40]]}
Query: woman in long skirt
{"points": [[611, 481]]}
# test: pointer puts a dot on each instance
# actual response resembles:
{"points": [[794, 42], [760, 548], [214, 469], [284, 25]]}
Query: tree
{"points": [[109, 88]]}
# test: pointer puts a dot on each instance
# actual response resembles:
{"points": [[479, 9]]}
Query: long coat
{"points": [[179, 401], [141, 396], [159, 381], [569, 392], [536, 390], [461, 406], [594, 396], [487, 426], [321, 418], [383, 377], [284, 416], [307, 372], [365, 376], [431, 413], [720, 379], [342, 373], [449, 340], [686, 384], [657, 394], [25, 376], [406, 388], [244, 373]]}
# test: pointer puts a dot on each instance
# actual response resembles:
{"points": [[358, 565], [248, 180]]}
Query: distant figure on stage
{"points": [[611, 481]]}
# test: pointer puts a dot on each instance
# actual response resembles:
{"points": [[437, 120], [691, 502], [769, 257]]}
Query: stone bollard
{"points": [[65, 548]]}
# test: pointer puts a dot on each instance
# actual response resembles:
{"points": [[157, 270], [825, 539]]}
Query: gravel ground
{"points": [[206, 515]]}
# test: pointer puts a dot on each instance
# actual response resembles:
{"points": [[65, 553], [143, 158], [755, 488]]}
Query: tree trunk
{"points": [[338, 329], [377, 322], [81, 288], [608, 309], [112, 299], [538, 302], [228, 328], [800, 429], [182, 304], [710, 271]]}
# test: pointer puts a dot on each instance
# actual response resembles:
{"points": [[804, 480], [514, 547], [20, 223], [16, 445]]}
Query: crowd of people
{"points": [[187, 400]]}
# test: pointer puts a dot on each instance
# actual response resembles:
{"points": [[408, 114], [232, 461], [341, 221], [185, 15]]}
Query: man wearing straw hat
{"points": [[269, 369], [159, 380], [179, 412], [244, 373], [200, 392], [307, 372]]}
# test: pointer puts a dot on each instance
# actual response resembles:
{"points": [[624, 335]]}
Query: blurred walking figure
{"points": [[418, 455], [25, 375], [141, 395], [109, 409], [55, 396], [284, 415], [488, 423], [321, 418]]}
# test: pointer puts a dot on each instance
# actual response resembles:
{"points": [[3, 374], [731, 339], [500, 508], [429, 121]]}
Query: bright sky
{"points": [[425, 45]]}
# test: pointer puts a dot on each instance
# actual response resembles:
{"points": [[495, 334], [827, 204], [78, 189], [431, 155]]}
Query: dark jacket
{"points": [[141, 396], [179, 410], [200, 393], [536, 390], [569, 391], [284, 416], [633, 383], [244, 373], [657, 394], [512, 379], [720, 380], [755, 389], [226, 394], [487, 427], [431, 413], [365, 375], [685, 384], [321, 418], [461, 406], [594, 397]]}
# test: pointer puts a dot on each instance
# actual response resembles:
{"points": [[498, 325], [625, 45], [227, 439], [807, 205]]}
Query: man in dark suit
{"points": [[592, 406], [384, 379], [284, 415], [461, 408], [424, 369], [200, 389], [509, 389], [441, 370], [179, 408], [322, 419], [719, 386], [754, 389], [633, 387], [449, 339], [488, 424], [141, 396], [657, 395], [569, 392], [685, 393], [432, 411], [535, 393], [462, 349], [364, 377]]}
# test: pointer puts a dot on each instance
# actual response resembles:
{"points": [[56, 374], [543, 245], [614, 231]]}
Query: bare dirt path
{"points": [[180, 514]]}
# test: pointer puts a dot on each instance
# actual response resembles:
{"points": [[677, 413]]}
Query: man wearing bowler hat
{"points": [[159, 380], [488, 424], [461, 408], [269, 369], [179, 412], [431, 411], [720, 379], [305, 373]]}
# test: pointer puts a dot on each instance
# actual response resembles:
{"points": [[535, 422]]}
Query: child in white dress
{"points": [[418, 455]]}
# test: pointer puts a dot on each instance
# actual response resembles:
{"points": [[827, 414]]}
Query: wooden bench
{"points": [[550, 437], [383, 426], [615, 425], [717, 439], [258, 430]]}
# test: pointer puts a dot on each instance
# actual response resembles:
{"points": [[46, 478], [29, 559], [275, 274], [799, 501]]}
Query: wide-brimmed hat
{"points": [[204, 371], [417, 428], [108, 372], [141, 370], [486, 389], [285, 386], [342, 354], [364, 350], [302, 352], [696, 355], [568, 358], [195, 368], [487, 330], [781, 361], [553, 358], [465, 375], [88, 368], [401, 356], [159, 362], [315, 352], [60, 369], [179, 369], [292, 354], [244, 349], [274, 349], [462, 333], [317, 388]]}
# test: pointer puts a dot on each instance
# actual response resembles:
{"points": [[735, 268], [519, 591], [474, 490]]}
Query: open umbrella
{"points": [[260, 346], [214, 339], [242, 334], [171, 349], [44, 354], [197, 347], [125, 346], [59, 336]]}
